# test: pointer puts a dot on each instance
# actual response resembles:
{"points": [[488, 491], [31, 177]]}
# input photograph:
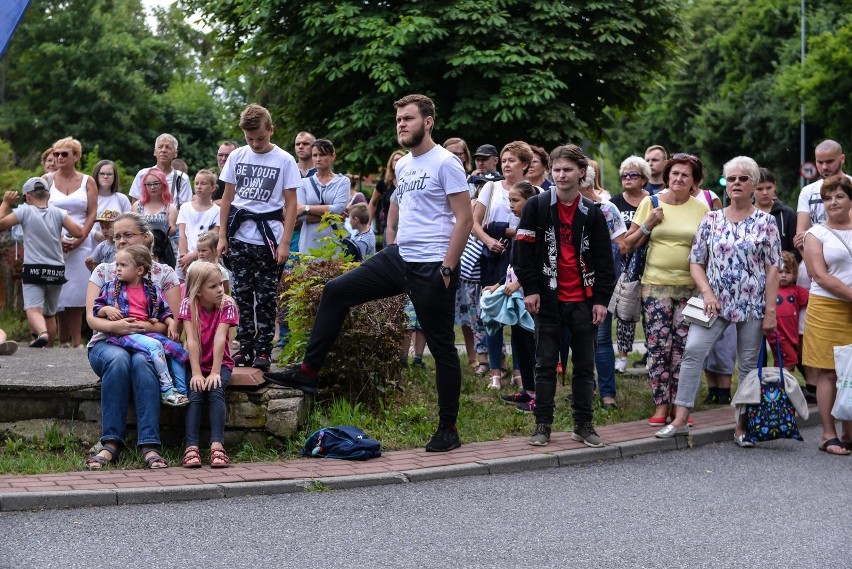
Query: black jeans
{"points": [[577, 317], [384, 275], [523, 353]]}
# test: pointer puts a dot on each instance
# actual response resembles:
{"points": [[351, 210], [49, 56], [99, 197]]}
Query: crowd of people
{"points": [[468, 242]]}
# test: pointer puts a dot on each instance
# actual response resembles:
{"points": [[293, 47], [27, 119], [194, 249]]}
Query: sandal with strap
{"points": [[191, 457], [481, 369], [496, 381], [219, 458], [96, 461], [152, 456], [40, 340], [173, 398]]}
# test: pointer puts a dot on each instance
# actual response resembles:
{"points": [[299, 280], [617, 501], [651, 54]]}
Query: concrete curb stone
{"points": [[21, 501]]}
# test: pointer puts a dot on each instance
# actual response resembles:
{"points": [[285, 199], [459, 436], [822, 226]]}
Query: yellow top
{"points": [[667, 262]]}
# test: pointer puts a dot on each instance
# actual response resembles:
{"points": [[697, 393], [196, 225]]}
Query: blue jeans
{"points": [[125, 375], [216, 400], [605, 358]]}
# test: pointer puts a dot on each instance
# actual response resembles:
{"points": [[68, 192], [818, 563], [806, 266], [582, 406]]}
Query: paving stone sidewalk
{"points": [[116, 487]]}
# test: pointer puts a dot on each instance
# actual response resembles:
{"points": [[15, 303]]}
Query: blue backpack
{"points": [[350, 443]]}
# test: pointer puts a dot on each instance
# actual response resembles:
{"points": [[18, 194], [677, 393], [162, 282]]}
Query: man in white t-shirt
{"points": [[810, 211], [165, 150], [428, 224]]}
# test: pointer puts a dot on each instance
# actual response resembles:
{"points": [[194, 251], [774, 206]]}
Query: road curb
{"points": [[22, 501]]}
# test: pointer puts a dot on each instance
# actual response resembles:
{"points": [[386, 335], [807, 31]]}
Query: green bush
{"points": [[363, 364]]}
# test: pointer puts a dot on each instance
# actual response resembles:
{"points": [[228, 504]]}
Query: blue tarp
{"points": [[11, 12]]}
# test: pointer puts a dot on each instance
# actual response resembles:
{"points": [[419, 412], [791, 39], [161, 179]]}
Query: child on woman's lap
{"points": [[132, 295], [207, 314]]}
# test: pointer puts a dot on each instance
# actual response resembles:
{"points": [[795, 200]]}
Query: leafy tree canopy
{"points": [[92, 69], [498, 70], [737, 82]]}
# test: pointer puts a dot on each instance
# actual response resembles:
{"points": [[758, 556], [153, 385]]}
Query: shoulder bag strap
{"points": [[316, 189], [839, 238]]}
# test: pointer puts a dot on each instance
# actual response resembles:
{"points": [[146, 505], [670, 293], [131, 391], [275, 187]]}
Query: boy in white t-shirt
{"points": [[258, 210], [196, 217]]}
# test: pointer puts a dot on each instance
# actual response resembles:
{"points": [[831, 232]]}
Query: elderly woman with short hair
{"points": [[734, 261], [634, 173]]}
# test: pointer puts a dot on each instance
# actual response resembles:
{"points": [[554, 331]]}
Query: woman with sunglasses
{"points": [[667, 284], [734, 261], [635, 173], [77, 194], [127, 377]]}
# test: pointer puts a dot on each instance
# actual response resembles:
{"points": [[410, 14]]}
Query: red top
{"points": [[207, 324], [570, 284]]}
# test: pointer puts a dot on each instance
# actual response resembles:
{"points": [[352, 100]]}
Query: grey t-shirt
{"points": [[42, 234]]}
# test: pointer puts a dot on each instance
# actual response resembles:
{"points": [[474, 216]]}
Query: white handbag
{"points": [[693, 313]]}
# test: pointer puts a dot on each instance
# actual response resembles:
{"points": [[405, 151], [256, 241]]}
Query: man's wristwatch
{"points": [[307, 209], [446, 271]]}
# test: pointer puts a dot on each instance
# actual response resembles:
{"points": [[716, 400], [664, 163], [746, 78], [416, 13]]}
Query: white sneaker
{"points": [[620, 364]]}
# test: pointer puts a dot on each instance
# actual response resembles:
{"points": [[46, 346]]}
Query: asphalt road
{"points": [[782, 504]]}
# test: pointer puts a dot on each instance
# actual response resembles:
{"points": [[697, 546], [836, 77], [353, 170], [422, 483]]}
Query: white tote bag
{"points": [[842, 409]]}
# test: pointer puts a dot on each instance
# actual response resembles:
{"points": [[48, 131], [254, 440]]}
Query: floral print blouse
{"points": [[735, 255]]}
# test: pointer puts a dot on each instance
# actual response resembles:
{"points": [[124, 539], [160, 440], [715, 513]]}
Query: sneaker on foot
{"points": [[541, 435], [585, 433], [621, 364], [262, 361], [527, 407], [293, 377], [243, 358], [517, 397], [643, 361], [446, 438]]}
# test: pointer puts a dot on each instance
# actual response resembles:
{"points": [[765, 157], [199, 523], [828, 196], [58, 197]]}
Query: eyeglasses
{"points": [[126, 236], [106, 174], [152, 184], [630, 175], [61, 154], [740, 179], [461, 154]]}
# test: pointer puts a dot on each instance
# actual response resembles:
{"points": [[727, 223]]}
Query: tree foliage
{"points": [[497, 69], [737, 82], [92, 69]]}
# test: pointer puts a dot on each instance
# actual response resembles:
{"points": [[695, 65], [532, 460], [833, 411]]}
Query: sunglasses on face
{"points": [[740, 179], [61, 154], [630, 175]]}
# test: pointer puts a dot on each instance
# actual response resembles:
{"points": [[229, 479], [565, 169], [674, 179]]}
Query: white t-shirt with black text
{"points": [[260, 181], [426, 219]]}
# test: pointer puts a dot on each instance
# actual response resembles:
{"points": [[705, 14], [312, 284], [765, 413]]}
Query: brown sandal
{"points": [[191, 457], [219, 458], [97, 462]]}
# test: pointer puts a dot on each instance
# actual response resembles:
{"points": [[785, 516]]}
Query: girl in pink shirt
{"points": [[207, 315]]}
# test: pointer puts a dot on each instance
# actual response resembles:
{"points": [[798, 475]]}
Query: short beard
{"points": [[415, 140]]}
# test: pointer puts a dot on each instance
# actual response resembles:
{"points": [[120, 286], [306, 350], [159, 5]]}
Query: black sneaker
{"points": [[585, 433], [517, 397], [527, 407], [541, 435], [262, 361], [445, 439], [243, 358], [293, 377]]}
